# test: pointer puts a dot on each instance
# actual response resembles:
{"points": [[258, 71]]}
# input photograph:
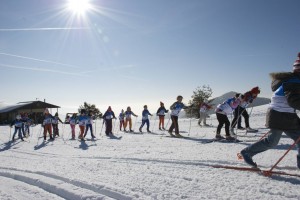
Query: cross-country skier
{"points": [[81, 122], [108, 116], [128, 119], [281, 115], [246, 99], [175, 110], [47, 124], [161, 114], [145, 119], [18, 126], [89, 125], [222, 111], [55, 121], [204, 107], [72, 121], [121, 119]]}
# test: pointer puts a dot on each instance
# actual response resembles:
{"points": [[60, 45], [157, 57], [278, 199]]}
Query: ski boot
{"points": [[248, 159]]}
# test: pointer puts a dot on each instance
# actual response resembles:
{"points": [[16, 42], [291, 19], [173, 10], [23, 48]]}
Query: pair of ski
{"points": [[224, 140], [255, 169]]}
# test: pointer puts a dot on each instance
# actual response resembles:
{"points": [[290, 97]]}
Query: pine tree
{"points": [[90, 108], [199, 96]]}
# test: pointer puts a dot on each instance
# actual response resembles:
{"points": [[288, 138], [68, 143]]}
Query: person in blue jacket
{"points": [[89, 125], [107, 117], [145, 119], [18, 127]]}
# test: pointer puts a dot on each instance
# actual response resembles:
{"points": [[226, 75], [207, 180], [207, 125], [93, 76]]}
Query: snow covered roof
{"points": [[26, 105]]}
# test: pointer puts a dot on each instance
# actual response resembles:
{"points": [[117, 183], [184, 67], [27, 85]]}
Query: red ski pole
{"points": [[269, 172]]}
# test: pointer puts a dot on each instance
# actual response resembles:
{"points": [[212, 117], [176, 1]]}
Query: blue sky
{"points": [[133, 52]]}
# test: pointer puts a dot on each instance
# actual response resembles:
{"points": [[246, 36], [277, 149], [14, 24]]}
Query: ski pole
{"points": [[134, 123], [102, 127], [154, 123], [190, 122], [269, 172], [39, 135], [9, 133]]}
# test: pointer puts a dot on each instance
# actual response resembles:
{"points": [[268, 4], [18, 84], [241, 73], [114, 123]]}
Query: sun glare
{"points": [[79, 7]]}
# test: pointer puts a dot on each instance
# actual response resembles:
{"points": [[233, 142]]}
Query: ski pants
{"points": [[73, 130], [203, 116], [87, 127], [161, 121], [81, 128], [238, 112], [271, 141], [174, 124], [223, 119], [47, 128], [126, 122], [19, 130], [122, 123], [55, 129], [108, 125], [145, 121]]}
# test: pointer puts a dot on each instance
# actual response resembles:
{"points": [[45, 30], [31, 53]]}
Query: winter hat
{"points": [[145, 106], [296, 66], [109, 108], [255, 90], [161, 103], [46, 110], [56, 114]]}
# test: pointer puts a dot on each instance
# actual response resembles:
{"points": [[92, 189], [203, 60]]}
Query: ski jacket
{"points": [[47, 119], [73, 120], [228, 106], [176, 108], [89, 120], [108, 115], [121, 116], [161, 111], [128, 114], [145, 114], [280, 114], [204, 107], [17, 122], [82, 120], [56, 119]]}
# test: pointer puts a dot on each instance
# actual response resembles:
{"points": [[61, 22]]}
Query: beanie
{"points": [[296, 66], [255, 90]]}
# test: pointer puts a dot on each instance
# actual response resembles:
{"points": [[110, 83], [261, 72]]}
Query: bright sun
{"points": [[79, 7]]}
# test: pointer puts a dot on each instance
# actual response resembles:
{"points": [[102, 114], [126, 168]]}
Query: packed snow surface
{"points": [[143, 166]]}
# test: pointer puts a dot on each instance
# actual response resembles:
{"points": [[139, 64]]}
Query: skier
{"points": [[81, 122], [128, 119], [145, 119], [18, 127], [108, 116], [161, 114], [222, 111], [175, 110], [47, 121], [121, 119], [246, 99], [204, 107], [55, 121], [73, 121], [27, 123], [281, 115], [89, 125]]}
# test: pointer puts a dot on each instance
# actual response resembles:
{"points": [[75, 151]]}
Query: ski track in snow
{"points": [[142, 166]]}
